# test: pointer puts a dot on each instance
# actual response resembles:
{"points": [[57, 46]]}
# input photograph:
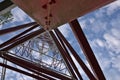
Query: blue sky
{"points": [[102, 29]]}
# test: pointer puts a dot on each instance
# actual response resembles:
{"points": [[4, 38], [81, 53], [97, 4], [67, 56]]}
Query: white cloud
{"points": [[65, 30], [112, 42], [100, 13], [98, 26], [82, 22], [116, 62], [115, 22], [92, 20], [100, 42], [116, 33], [111, 8], [18, 14]]}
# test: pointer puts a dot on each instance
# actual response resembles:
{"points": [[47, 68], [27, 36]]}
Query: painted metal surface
{"points": [[8, 30], [57, 12], [32, 67], [24, 39], [10, 41], [80, 36], [63, 53], [69, 57], [76, 56], [20, 71], [54, 13]]}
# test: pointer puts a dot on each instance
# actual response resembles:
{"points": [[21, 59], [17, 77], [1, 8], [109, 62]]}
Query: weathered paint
{"points": [[62, 11]]}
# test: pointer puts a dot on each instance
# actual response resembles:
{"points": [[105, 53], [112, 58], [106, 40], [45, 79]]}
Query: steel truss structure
{"points": [[47, 55]]}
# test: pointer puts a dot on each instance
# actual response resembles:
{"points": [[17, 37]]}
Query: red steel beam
{"points": [[8, 30], [17, 36], [25, 66], [76, 56], [68, 56], [15, 61], [32, 66], [76, 28], [21, 71], [23, 39], [33, 34], [63, 53]]}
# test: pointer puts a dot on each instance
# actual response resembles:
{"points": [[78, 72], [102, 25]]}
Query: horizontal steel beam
{"points": [[79, 34], [21, 71], [8, 30], [15, 61], [31, 66], [24, 39], [10, 41]]}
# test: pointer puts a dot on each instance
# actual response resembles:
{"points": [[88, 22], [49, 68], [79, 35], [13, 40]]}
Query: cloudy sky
{"points": [[102, 29]]}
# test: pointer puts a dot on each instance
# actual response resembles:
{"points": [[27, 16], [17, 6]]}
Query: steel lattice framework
{"points": [[46, 55]]}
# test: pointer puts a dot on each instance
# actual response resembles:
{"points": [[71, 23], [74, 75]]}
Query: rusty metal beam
{"points": [[8, 30], [21, 71], [63, 53], [31, 66], [76, 28], [23, 39], [76, 56], [68, 56], [10, 41]]}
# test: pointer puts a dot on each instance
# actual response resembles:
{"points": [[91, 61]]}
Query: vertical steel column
{"points": [[76, 56], [69, 57], [87, 49], [63, 53]]}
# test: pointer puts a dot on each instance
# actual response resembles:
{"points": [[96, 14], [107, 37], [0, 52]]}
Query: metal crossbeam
{"points": [[32, 66], [8, 30], [76, 28], [10, 41], [21, 71], [69, 57], [63, 53], [76, 56], [24, 39]]}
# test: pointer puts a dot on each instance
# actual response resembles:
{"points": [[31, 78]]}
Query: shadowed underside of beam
{"points": [[58, 11]]}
